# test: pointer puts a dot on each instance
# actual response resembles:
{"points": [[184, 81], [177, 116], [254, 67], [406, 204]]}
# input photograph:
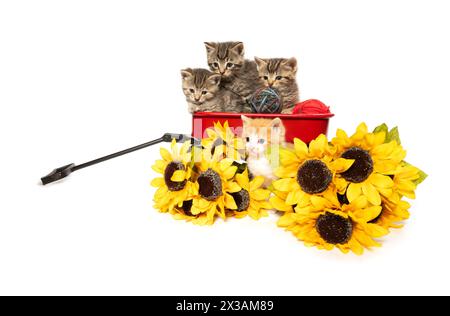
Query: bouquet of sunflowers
{"points": [[201, 184], [342, 194]]}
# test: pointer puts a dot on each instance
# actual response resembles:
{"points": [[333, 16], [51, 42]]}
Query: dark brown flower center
{"points": [[334, 229], [242, 199], [210, 185], [168, 173], [187, 206], [361, 169], [314, 176]]}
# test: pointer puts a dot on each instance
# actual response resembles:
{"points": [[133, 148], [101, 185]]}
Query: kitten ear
{"points": [[245, 119], [260, 62], [277, 123], [215, 79], [186, 73], [291, 64], [210, 47], [238, 47]]}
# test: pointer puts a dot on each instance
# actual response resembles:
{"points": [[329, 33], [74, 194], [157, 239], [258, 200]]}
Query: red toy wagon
{"points": [[310, 121]]}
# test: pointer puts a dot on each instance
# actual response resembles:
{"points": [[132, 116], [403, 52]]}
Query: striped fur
{"points": [[204, 94], [238, 74], [280, 74]]}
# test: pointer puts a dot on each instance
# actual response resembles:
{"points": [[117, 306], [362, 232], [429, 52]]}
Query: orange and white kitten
{"points": [[263, 139]]}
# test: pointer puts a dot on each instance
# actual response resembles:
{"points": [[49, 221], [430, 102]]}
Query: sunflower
{"points": [[306, 171], [174, 187], [251, 200], [222, 137], [374, 162], [394, 208], [328, 224], [392, 214], [404, 178], [215, 188], [183, 212], [278, 201]]}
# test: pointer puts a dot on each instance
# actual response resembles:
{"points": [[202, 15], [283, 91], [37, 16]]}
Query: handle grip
{"points": [[58, 174], [65, 171]]}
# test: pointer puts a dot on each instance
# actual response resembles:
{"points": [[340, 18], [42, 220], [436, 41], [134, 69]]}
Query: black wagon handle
{"points": [[65, 171]]}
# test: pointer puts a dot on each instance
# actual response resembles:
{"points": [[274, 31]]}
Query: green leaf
{"points": [[422, 174], [422, 177], [381, 128], [393, 135]]}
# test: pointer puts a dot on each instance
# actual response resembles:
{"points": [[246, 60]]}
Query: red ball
{"points": [[311, 107]]}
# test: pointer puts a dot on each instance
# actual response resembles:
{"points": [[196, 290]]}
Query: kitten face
{"points": [[276, 72], [260, 134], [199, 85], [225, 58]]}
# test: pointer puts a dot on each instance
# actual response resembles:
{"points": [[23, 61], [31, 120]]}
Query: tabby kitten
{"points": [[203, 93], [239, 75], [280, 74], [263, 139]]}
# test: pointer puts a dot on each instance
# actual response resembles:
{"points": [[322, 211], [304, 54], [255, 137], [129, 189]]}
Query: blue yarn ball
{"points": [[266, 100]]}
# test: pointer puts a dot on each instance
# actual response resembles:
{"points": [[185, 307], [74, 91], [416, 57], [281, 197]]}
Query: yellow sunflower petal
{"points": [[287, 172], [376, 230], [287, 157], [371, 193], [158, 182], [381, 181], [256, 183], [260, 194], [165, 154], [286, 220], [371, 213], [230, 203], [318, 146], [229, 173], [362, 128], [353, 191], [341, 164], [301, 149], [356, 247], [159, 166], [284, 185], [233, 187], [280, 204], [293, 197], [178, 176], [242, 180]]}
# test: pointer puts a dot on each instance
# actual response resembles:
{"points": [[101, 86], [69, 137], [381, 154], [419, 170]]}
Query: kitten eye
{"points": [[204, 92], [261, 141], [215, 65], [192, 90], [230, 65], [266, 78], [279, 78]]}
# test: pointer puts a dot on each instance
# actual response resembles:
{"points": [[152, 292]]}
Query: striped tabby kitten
{"points": [[280, 74], [239, 75], [203, 93]]}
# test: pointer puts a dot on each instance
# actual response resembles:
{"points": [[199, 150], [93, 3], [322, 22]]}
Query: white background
{"points": [[80, 79]]}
